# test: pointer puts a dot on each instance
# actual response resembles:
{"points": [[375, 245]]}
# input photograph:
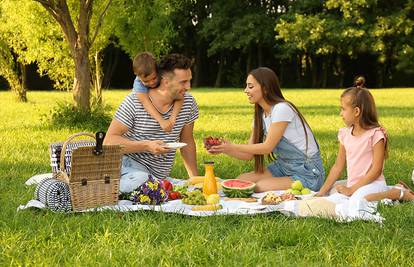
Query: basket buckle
{"points": [[107, 179], [99, 143], [84, 182]]}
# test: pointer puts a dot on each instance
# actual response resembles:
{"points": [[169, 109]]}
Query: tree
{"points": [[334, 30], [144, 25], [248, 30], [78, 40], [10, 71]]}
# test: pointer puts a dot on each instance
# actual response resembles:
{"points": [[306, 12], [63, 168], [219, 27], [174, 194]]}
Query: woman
{"points": [[278, 128]]}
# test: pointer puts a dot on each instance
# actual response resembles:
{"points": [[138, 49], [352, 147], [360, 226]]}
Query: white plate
{"points": [[175, 145], [313, 193]]}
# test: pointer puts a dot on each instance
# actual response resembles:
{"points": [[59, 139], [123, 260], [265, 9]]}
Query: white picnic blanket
{"points": [[299, 208]]}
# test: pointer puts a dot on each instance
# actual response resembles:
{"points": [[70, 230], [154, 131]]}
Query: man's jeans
{"points": [[133, 175]]}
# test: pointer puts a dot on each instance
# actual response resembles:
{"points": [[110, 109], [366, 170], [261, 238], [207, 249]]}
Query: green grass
{"points": [[34, 237]]}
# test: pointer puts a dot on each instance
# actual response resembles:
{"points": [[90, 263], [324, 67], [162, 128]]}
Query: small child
{"points": [[145, 69], [362, 148]]}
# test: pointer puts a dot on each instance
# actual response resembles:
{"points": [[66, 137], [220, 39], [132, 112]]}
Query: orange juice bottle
{"points": [[210, 184]]}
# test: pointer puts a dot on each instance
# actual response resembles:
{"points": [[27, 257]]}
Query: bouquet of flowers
{"points": [[151, 193]]}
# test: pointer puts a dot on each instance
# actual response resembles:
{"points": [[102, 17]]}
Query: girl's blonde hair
{"points": [[361, 97]]}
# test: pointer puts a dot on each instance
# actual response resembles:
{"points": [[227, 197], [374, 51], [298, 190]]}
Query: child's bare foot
{"points": [[166, 125], [407, 194]]}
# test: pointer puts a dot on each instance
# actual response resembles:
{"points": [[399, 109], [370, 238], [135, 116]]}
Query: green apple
{"points": [[306, 191], [297, 185], [296, 192]]}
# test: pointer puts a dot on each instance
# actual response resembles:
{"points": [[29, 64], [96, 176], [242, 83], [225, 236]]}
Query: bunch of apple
{"points": [[298, 189]]}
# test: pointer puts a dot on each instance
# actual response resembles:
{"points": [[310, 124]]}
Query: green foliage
{"points": [[65, 115], [35, 37], [143, 26], [8, 70], [349, 28], [249, 24]]}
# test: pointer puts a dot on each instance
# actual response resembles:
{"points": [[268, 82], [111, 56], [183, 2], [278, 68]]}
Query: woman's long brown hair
{"points": [[272, 95]]}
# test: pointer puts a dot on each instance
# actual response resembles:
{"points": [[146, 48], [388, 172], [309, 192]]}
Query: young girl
{"points": [[362, 148], [280, 128]]}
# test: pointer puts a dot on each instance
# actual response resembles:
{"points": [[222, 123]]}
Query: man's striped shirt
{"points": [[142, 126]]}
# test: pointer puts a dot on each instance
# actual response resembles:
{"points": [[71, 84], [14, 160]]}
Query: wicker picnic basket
{"points": [[95, 171]]}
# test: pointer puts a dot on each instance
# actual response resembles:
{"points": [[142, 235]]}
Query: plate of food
{"points": [[272, 198], [175, 145]]}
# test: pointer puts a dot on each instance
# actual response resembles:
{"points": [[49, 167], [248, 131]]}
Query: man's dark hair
{"points": [[171, 62]]}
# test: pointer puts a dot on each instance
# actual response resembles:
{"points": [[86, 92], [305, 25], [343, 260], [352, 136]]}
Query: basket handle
{"points": [[65, 144]]}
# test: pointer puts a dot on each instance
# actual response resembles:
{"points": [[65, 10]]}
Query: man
{"points": [[143, 140]]}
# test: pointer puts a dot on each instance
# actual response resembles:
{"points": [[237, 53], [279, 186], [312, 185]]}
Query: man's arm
{"points": [[188, 153], [114, 136]]}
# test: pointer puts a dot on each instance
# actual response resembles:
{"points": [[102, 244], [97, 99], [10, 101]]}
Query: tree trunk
{"points": [[380, 75], [325, 65], [249, 60], [281, 71], [78, 41], [21, 87], [220, 71], [97, 81], [82, 83], [340, 71], [111, 63], [198, 67], [260, 55], [299, 71], [314, 70]]}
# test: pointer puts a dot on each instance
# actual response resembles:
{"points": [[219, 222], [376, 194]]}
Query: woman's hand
{"points": [[320, 194], [344, 190], [225, 148]]}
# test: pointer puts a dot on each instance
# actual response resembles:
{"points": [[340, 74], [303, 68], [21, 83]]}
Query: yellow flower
{"points": [[153, 186], [144, 199]]}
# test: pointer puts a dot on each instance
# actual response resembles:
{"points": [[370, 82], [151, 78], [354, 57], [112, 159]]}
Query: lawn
{"points": [[34, 237]]}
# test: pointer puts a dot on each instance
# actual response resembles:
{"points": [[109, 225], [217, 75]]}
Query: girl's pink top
{"points": [[360, 152]]}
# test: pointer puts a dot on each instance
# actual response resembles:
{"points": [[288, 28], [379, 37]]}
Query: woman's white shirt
{"points": [[294, 132]]}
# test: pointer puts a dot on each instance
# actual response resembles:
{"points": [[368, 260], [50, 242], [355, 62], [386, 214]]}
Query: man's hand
{"points": [[157, 147], [344, 190]]}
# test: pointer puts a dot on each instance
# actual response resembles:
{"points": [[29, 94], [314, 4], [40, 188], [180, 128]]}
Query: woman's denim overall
{"points": [[294, 163]]}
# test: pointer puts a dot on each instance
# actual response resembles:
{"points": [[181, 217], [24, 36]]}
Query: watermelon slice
{"points": [[238, 188]]}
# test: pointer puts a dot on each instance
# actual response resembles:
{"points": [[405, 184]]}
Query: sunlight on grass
{"points": [[147, 238]]}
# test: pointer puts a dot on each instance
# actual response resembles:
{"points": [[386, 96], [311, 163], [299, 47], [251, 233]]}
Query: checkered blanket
{"points": [[54, 194]]}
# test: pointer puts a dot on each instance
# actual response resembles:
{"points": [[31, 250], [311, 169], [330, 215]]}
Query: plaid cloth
{"points": [[54, 194], [56, 149]]}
